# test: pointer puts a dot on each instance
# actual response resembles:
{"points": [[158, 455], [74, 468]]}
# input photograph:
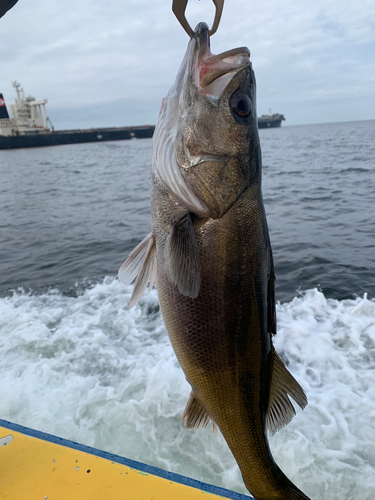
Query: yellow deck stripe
{"points": [[36, 469]]}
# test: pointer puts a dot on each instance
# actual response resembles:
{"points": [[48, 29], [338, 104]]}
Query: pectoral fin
{"points": [[182, 258], [280, 409], [141, 263], [196, 416]]}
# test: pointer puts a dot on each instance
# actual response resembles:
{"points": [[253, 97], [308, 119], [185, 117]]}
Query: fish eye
{"points": [[241, 105]]}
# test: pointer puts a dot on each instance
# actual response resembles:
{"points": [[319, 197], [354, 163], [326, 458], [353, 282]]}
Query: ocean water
{"points": [[76, 362]]}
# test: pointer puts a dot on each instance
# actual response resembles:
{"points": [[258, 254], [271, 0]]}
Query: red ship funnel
{"points": [[3, 109]]}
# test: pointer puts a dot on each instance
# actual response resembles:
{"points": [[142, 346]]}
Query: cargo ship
{"points": [[29, 126], [270, 120]]}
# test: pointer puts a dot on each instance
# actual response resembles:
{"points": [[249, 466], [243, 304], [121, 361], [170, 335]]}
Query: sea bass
{"points": [[210, 254]]}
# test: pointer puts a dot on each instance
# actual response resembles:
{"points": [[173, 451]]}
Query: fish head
{"points": [[209, 116]]}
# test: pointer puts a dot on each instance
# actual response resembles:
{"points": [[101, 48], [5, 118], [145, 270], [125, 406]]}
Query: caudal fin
{"points": [[293, 493], [284, 492]]}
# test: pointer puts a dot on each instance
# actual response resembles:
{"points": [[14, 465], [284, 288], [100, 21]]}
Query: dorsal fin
{"points": [[141, 263], [280, 409], [196, 416]]}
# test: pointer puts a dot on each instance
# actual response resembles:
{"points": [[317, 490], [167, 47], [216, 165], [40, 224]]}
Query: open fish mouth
{"points": [[214, 72], [215, 66]]}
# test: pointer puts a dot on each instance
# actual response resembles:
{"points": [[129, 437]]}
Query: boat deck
{"points": [[38, 466]]}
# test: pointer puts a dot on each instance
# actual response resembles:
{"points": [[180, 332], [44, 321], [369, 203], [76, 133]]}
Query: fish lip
{"points": [[209, 67], [227, 54]]}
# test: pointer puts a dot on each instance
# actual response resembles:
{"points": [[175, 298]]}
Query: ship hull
{"points": [[269, 123], [59, 138]]}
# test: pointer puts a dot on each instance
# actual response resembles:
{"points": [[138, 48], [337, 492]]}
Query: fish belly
{"points": [[220, 338]]}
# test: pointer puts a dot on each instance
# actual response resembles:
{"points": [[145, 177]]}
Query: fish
{"points": [[210, 255]]}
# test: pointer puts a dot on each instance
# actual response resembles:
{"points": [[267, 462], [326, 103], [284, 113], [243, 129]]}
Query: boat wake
{"points": [[88, 369]]}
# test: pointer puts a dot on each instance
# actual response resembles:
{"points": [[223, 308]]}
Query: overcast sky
{"points": [[110, 63]]}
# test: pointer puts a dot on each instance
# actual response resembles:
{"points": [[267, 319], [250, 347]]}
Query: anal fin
{"points": [[141, 263], [182, 257], [280, 409], [196, 416]]}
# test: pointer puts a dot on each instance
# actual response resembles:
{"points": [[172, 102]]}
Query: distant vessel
{"points": [[270, 120], [30, 127]]}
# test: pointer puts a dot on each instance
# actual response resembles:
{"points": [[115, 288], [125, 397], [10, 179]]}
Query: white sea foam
{"points": [[89, 369]]}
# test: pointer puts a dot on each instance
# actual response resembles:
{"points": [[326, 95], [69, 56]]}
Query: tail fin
{"points": [[293, 493], [280, 488], [3, 109]]}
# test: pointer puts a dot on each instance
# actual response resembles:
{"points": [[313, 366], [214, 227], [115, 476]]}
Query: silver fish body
{"points": [[210, 254]]}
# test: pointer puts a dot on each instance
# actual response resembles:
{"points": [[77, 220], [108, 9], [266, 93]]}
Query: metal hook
{"points": [[179, 7]]}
